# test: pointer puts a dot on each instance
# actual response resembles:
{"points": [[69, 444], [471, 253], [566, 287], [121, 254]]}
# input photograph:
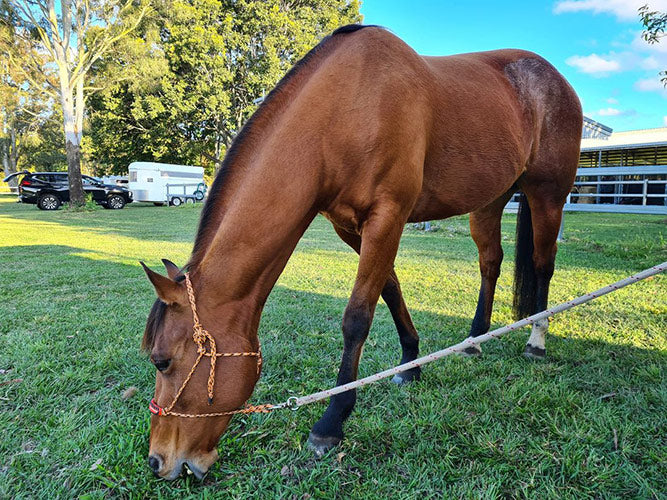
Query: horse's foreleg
{"points": [[393, 297], [380, 237], [485, 231]]}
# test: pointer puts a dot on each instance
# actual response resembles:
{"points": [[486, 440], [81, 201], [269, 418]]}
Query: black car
{"points": [[49, 190]]}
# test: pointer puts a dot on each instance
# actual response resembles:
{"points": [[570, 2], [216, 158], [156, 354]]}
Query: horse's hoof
{"points": [[532, 352], [321, 444], [407, 376], [473, 350]]}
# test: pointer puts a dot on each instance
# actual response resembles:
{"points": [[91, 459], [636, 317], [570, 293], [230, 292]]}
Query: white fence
{"points": [[635, 190]]}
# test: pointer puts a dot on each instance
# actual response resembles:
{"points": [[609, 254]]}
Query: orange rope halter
{"points": [[200, 335]]}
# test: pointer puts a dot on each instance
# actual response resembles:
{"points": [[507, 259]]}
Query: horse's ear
{"points": [[168, 291], [172, 269]]}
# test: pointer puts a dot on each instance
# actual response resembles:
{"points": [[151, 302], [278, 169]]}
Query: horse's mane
{"points": [[159, 308], [214, 193]]}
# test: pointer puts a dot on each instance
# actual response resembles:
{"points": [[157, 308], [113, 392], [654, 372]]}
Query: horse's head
{"points": [[176, 440]]}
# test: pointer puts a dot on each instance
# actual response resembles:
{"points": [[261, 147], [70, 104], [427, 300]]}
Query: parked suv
{"points": [[49, 190]]}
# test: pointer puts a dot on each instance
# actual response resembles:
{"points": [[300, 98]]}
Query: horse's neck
{"points": [[268, 206]]}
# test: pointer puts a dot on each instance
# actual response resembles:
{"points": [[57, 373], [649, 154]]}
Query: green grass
{"points": [[73, 302]]}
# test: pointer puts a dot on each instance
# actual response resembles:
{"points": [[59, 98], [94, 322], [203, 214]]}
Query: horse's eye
{"points": [[161, 364]]}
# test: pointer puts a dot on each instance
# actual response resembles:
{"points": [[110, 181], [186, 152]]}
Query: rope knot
{"points": [[200, 335]]}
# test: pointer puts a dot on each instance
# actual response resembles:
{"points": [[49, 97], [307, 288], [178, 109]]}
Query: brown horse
{"points": [[372, 135]]}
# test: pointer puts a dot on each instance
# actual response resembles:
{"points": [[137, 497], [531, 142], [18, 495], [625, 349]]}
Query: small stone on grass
{"points": [[128, 393]]}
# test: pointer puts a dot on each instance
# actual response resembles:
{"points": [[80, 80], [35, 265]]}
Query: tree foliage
{"points": [[129, 80], [192, 71], [655, 24], [68, 39], [25, 107]]}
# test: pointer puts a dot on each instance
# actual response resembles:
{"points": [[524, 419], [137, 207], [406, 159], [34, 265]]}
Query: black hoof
{"points": [[473, 350], [532, 352], [321, 444], [407, 376]]}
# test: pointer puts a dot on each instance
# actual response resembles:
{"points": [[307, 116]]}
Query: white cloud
{"points": [[601, 65], [616, 112], [664, 120], [638, 43], [651, 85], [594, 64], [611, 100], [650, 63], [609, 112], [625, 10]]}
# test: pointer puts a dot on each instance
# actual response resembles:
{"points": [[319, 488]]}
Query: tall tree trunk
{"points": [[10, 156], [70, 107], [72, 144], [5, 163], [73, 151]]}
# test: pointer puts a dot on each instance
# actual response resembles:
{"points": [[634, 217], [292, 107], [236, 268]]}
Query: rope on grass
{"points": [[295, 402]]}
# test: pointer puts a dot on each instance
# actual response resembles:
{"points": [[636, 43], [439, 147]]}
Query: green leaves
{"points": [[192, 73]]}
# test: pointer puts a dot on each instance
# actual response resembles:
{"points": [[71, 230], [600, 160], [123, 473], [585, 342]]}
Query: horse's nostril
{"points": [[154, 463]]}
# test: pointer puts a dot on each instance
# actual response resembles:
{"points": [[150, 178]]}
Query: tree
{"points": [[655, 24], [71, 42], [24, 106], [197, 66]]}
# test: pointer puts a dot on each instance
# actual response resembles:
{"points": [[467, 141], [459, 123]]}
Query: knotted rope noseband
{"points": [[200, 335]]}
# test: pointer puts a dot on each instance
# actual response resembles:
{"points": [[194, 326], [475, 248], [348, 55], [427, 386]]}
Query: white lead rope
{"points": [[294, 402]]}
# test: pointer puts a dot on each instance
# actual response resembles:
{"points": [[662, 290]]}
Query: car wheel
{"points": [[175, 201], [115, 202], [199, 195], [48, 202], [189, 201]]}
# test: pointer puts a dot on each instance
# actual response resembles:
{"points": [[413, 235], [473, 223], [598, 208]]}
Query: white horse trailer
{"points": [[164, 183]]}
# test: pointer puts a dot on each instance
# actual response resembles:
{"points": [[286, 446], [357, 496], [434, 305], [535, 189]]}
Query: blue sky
{"points": [[596, 44]]}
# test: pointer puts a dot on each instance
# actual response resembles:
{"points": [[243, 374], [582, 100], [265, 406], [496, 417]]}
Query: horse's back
{"points": [[493, 113], [464, 128]]}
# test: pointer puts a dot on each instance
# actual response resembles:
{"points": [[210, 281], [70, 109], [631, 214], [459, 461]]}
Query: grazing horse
{"points": [[372, 135]]}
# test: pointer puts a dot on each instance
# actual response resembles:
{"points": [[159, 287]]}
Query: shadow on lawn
{"points": [[119, 297]]}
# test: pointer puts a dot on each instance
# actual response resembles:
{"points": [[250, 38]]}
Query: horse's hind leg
{"points": [[381, 234], [546, 214], [485, 231], [393, 297], [538, 222]]}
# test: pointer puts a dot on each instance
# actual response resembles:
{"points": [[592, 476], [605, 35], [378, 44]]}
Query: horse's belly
{"points": [[456, 189]]}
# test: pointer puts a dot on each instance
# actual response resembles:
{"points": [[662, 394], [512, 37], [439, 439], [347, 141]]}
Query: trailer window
{"points": [[133, 176], [182, 175]]}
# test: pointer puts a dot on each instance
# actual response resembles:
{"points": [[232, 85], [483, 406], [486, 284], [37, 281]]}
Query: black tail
{"points": [[525, 281]]}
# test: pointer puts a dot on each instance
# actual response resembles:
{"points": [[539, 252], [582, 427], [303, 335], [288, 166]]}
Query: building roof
{"points": [[594, 125], [625, 140]]}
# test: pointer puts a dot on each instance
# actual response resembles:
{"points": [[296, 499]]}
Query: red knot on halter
{"points": [[200, 335]]}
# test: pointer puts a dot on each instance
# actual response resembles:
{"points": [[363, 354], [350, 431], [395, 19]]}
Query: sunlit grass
{"points": [[588, 422]]}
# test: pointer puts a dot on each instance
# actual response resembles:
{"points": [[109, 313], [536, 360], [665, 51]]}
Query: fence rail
{"points": [[635, 190]]}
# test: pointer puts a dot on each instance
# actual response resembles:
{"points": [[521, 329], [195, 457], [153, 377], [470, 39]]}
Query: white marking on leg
{"points": [[538, 333]]}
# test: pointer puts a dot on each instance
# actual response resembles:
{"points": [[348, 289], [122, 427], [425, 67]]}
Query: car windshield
{"points": [[91, 181]]}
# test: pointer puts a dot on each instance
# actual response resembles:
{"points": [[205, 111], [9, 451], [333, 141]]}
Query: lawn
{"points": [[588, 422]]}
